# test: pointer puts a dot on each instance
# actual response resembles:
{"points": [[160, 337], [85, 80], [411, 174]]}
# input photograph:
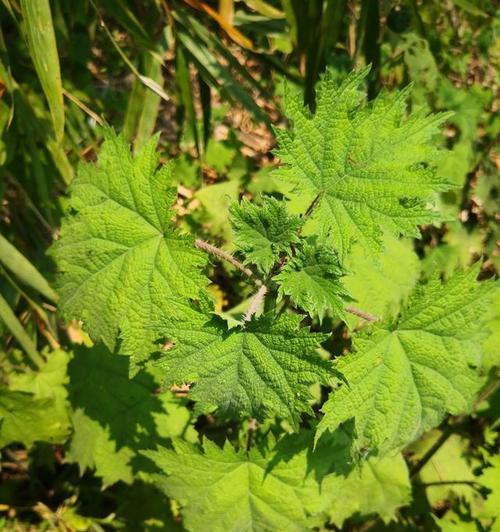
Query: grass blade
{"points": [[133, 112], [187, 108], [219, 77], [265, 9], [17, 330], [226, 25], [42, 44], [150, 103], [145, 80], [370, 44], [22, 268], [206, 109]]}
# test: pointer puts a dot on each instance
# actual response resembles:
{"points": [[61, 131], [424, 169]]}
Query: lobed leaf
{"points": [[405, 376], [122, 262], [367, 166], [313, 280], [114, 416], [223, 489], [262, 368], [263, 232]]}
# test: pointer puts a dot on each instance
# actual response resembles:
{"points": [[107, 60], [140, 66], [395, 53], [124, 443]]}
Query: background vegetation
{"points": [[208, 76]]}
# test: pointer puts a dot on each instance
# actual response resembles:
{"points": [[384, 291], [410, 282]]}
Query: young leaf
{"points": [[222, 489], [369, 167], [312, 280], [122, 262], [404, 377], [261, 369], [264, 231]]}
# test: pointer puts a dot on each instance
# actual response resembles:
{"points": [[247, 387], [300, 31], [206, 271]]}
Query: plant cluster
{"points": [[302, 339]]}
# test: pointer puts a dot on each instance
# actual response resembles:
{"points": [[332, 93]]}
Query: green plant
{"points": [[182, 409], [354, 172]]}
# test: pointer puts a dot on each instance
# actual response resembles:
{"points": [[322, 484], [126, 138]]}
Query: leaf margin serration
{"points": [[374, 428], [351, 207], [120, 198]]}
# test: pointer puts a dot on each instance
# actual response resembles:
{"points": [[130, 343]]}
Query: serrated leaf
{"points": [[122, 261], [370, 168], [332, 454], [405, 376], [222, 489], [261, 369], [264, 231], [379, 485], [313, 280], [114, 416]]}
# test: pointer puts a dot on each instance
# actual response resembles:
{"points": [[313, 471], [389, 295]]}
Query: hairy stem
{"points": [[214, 250], [255, 304], [361, 314], [261, 293]]}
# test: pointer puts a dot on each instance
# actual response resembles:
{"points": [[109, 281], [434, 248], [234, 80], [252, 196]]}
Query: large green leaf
{"points": [[262, 368], [406, 375], [26, 419], [380, 286], [380, 486], [49, 382], [222, 489], [367, 166], [122, 262]]}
